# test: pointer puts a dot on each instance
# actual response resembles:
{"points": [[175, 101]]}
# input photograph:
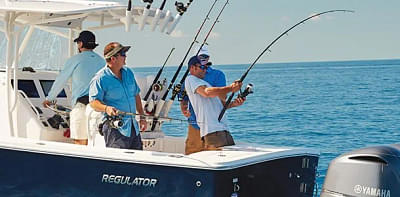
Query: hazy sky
{"points": [[247, 27]]}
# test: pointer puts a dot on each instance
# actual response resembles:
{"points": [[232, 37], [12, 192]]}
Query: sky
{"points": [[247, 27]]}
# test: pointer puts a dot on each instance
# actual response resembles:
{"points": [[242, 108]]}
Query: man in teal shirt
{"points": [[80, 68], [113, 90]]}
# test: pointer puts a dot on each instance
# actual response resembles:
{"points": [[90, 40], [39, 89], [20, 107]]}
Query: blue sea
{"points": [[333, 107]]}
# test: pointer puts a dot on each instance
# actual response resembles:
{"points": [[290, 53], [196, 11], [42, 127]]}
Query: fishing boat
{"points": [[38, 158]]}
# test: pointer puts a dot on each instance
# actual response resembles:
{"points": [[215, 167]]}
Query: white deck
{"points": [[229, 158]]}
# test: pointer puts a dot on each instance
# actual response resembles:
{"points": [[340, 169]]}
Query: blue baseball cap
{"points": [[193, 61]]}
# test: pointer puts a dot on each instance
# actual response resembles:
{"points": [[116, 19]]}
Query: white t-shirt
{"points": [[206, 109]]}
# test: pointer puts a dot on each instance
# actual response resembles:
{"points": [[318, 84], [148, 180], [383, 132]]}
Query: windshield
{"points": [[44, 51]]}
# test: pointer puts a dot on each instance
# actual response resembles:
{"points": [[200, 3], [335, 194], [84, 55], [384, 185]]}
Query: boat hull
{"points": [[42, 174]]}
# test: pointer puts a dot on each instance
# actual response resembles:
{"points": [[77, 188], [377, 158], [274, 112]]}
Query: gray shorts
{"points": [[114, 139], [218, 139]]}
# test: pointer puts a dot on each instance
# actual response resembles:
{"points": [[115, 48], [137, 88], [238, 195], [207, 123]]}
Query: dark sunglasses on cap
{"points": [[202, 67], [121, 53], [203, 56]]}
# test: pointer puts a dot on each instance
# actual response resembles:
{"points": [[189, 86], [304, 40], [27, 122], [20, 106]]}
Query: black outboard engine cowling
{"points": [[367, 172]]}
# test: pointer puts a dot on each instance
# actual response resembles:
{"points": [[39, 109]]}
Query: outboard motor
{"points": [[367, 172]]}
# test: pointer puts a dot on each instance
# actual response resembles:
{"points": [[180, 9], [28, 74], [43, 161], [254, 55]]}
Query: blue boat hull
{"points": [[24, 173]]}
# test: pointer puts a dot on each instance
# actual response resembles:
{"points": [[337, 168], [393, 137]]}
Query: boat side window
{"points": [[28, 86], [46, 86]]}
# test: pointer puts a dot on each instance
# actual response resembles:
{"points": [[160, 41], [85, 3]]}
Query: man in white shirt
{"points": [[207, 102]]}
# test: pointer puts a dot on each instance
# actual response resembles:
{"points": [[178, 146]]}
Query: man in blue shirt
{"points": [[215, 78], [81, 68], [113, 90]]}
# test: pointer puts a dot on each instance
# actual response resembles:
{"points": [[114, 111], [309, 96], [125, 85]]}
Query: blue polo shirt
{"points": [[121, 94], [81, 68], [215, 78]]}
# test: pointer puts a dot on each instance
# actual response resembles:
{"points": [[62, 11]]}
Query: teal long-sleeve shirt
{"points": [[81, 68]]}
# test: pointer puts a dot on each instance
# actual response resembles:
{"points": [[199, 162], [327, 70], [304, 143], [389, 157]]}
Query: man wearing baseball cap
{"points": [[216, 78], [80, 68], [207, 102], [113, 90]]}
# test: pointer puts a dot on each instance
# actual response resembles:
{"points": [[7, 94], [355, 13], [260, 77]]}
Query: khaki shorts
{"points": [[78, 122], [218, 139], [193, 141]]}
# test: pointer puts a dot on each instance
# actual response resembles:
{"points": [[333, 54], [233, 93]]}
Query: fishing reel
{"points": [[114, 122], [180, 7], [248, 90], [177, 89], [158, 86], [182, 95]]}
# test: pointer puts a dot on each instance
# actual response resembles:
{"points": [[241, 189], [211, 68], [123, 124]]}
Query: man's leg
{"points": [[114, 139], [193, 141], [78, 124], [136, 143]]}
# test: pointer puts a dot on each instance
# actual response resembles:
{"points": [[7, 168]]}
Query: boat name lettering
{"points": [[127, 180], [372, 191]]}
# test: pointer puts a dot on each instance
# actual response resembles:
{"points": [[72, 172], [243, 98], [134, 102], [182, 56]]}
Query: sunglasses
{"points": [[121, 53], [203, 57], [202, 67]]}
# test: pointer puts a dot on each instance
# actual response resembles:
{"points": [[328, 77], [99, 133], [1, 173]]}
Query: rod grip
{"points": [[221, 114]]}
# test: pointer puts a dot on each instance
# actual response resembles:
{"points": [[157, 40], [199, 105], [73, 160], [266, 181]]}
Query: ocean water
{"points": [[333, 107]]}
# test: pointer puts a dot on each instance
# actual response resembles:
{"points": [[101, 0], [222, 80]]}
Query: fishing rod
{"points": [[266, 49], [161, 102], [146, 12], [146, 97], [150, 116], [178, 87], [59, 109], [128, 16], [181, 8], [164, 97], [157, 15]]}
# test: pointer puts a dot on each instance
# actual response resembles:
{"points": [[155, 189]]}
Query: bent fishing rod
{"points": [[178, 86], [267, 49], [161, 102], [164, 97], [157, 76]]}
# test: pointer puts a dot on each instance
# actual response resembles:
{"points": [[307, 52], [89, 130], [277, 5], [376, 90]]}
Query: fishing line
{"points": [[146, 97], [164, 97], [187, 52], [267, 49], [178, 87]]}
